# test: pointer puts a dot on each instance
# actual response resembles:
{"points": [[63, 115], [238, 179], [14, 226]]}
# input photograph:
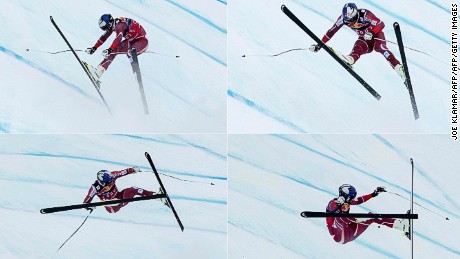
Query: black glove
{"points": [[315, 47], [378, 190], [90, 50], [106, 53]]}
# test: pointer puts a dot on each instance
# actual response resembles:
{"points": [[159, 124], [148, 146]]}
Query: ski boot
{"points": [[164, 200], [400, 70], [349, 61], [95, 73], [403, 225]]}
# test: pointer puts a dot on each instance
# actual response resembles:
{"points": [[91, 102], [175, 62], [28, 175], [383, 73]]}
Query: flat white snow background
{"points": [[46, 93], [41, 171], [273, 178], [301, 91]]}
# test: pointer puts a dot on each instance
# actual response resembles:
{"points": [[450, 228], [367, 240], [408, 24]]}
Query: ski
{"points": [[411, 227], [95, 83], [316, 214], [406, 70], [328, 50], [97, 204], [139, 79], [164, 191]]}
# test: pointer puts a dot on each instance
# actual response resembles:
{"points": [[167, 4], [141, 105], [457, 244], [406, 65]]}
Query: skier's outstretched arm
{"points": [[91, 193], [99, 42], [124, 172], [329, 34]]}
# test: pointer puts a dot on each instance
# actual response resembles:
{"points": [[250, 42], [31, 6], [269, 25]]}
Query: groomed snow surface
{"points": [[47, 93], [41, 171], [273, 178], [301, 91]]}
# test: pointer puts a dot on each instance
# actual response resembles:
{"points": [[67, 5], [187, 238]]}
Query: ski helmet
{"points": [[348, 192], [350, 13], [104, 176], [106, 22]]}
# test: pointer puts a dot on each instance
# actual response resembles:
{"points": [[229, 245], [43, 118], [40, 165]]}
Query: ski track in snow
{"points": [[263, 110], [46, 72]]}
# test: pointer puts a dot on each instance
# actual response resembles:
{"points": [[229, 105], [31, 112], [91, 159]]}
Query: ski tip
{"points": [[395, 24], [411, 160], [283, 7], [243, 56], [147, 154], [447, 218], [51, 17], [303, 214], [42, 211], [177, 56]]}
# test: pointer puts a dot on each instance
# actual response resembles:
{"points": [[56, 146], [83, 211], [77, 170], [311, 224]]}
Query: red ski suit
{"points": [[367, 22], [345, 230], [129, 34], [109, 191]]}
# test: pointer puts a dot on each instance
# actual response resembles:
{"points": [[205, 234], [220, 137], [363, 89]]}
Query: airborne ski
{"points": [[95, 83], [97, 204], [139, 79], [170, 205], [331, 52], [316, 214], [406, 69]]}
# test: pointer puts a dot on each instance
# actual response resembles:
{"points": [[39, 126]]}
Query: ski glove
{"points": [[368, 36], [378, 190], [90, 50], [106, 53], [136, 169], [315, 48]]}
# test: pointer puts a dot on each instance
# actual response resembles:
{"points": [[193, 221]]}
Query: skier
{"points": [[345, 230], [129, 34], [106, 189], [371, 37]]}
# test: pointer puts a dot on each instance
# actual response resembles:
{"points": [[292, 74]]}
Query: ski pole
{"points": [[418, 205], [184, 180], [67, 50], [272, 55], [57, 52], [90, 211], [416, 50]]}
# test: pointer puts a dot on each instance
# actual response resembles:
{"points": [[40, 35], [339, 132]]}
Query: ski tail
{"points": [[147, 155], [328, 50], [95, 83], [408, 82], [139, 79]]}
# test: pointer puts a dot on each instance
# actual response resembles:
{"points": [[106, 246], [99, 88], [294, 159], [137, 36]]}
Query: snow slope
{"points": [[272, 178], [312, 93], [51, 93], [40, 171]]}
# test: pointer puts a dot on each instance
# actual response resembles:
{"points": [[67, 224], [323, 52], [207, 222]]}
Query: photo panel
{"points": [[43, 176], [274, 178], [177, 83], [282, 75]]}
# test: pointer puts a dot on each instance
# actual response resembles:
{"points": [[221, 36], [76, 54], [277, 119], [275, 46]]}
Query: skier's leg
{"points": [[353, 231], [127, 194], [361, 47], [381, 47], [141, 45], [121, 49]]}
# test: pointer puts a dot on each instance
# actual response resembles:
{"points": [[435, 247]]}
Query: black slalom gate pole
{"points": [[81, 64], [412, 211], [164, 190], [406, 70], [74, 232]]}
